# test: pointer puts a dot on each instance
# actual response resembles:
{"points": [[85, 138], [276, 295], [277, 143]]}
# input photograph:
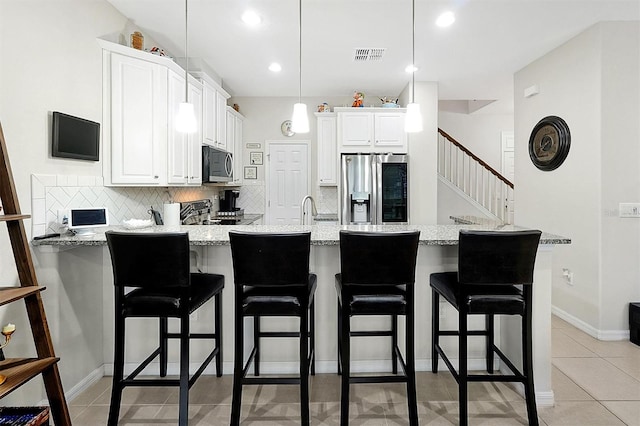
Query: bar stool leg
{"points": [[237, 367], [183, 416], [163, 346], [346, 367], [118, 371], [339, 334], [462, 369], [489, 327], [527, 361], [312, 333], [394, 344], [218, 331], [304, 368], [435, 329], [411, 364], [256, 344]]}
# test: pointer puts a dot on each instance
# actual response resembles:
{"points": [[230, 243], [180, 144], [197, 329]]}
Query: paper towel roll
{"points": [[172, 214]]}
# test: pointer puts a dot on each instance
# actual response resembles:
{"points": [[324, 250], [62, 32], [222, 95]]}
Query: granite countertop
{"points": [[474, 220], [217, 235]]}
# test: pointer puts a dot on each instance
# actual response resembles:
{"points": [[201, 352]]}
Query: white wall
{"points": [[480, 132], [620, 148], [51, 62], [592, 83]]}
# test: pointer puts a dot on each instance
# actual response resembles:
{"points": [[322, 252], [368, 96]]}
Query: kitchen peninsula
{"points": [[437, 252]]}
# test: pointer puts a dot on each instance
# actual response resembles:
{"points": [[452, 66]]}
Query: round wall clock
{"points": [[549, 143], [285, 127]]}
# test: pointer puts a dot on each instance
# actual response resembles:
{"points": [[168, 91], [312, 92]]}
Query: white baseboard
{"points": [[82, 386], [608, 335]]}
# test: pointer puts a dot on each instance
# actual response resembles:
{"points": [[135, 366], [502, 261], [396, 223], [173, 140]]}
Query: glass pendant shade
{"points": [[413, 118], [186, 118], [300, 119]]}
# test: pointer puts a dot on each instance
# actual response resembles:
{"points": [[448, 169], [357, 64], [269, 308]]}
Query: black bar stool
{"points": [[156, 266], [377, 274], [494, 277], [271, 275]]}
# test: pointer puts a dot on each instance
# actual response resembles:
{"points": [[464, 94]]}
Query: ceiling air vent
{"points": [[369, 54]]}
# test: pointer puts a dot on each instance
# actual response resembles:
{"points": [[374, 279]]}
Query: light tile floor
{"points": [[595, 383]]}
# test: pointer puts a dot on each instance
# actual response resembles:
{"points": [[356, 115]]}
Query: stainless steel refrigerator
{"points": [[374, 189]]}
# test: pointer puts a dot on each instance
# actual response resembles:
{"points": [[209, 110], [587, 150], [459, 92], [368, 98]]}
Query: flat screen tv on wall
{"points": [[75, 137]]}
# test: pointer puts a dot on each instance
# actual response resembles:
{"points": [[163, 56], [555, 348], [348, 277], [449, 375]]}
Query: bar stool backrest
{"points": [[378, 258], [270, 259], [497, 257], [149, 259]]}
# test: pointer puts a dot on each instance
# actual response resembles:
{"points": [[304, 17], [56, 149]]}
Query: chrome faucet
{"points": [[314, 211]]}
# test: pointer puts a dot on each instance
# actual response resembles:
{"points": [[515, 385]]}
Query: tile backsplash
{"points": [[53, 193]]}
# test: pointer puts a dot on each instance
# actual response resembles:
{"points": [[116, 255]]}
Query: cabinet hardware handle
{"points": [[156, 177]]}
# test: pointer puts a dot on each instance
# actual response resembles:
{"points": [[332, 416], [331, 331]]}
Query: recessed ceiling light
{"points": [[446, 19], [275, 67], [411, 68], [251, 18]]}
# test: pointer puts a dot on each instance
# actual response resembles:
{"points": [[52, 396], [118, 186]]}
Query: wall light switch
{"points": [[629, 210]]}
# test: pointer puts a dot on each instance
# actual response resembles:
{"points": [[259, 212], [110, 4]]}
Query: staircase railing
{"points": [[474, 177]]}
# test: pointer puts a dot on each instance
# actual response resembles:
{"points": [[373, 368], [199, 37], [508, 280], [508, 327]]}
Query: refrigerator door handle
{"points": [[375, 190]]}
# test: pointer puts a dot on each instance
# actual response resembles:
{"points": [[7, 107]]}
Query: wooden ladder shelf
{"points": [[20, 370]]}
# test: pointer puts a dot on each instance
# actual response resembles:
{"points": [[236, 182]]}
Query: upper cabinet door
{"points": [[221, 121], [195, 140], [327, 151], [356, 129], [389, 129], [138, 121], [177, 143], [209, 114]]}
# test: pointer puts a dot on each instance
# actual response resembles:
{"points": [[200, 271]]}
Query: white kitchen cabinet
{"points": [[234, 144], [177, 155], [134, 121], [221, 120], [214, 103], [183, 150], [371, 130], [194, 140], [141, 94], [209, 114], [327, 149]]}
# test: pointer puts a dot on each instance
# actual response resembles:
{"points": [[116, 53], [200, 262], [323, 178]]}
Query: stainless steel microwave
{"points": [[217, 165]]}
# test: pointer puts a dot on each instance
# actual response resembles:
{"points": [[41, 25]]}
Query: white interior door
{"points": [[287, 177]]}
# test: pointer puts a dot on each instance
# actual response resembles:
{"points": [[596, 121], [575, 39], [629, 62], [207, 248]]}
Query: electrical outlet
{"points": [[568, 275], [629, 210], [63, 217]]}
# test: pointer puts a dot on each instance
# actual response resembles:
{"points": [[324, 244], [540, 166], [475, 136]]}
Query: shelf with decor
{"points": [[14, 372]]}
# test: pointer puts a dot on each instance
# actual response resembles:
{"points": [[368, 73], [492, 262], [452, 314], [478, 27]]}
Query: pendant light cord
{"points": [[413, 50], [300, 52], [186, 55]]}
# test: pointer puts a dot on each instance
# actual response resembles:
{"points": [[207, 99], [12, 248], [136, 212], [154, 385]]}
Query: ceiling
{"points": [[473, 59]]}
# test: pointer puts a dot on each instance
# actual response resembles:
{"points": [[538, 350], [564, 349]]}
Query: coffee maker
{"points": [[228, 201]]}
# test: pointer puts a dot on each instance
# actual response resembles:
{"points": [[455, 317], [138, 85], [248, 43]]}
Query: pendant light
{"points": [[300, 118], [413, 118], [186, 117]]}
